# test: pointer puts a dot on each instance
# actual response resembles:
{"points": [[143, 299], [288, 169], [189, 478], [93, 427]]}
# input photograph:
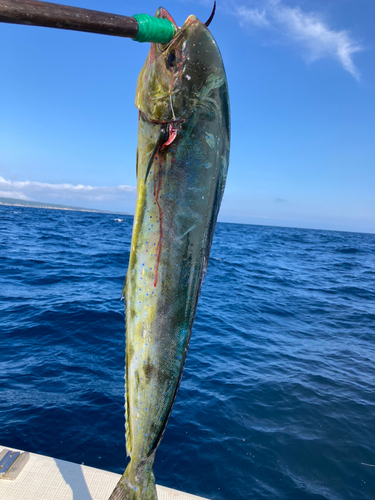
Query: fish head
{"points": [[172, 80]]}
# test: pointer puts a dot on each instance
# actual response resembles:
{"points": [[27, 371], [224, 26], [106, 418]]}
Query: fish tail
{"points": [[137, 483]]}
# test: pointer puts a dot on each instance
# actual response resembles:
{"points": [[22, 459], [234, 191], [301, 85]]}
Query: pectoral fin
{"points": [[155, 151], [166, 137]]}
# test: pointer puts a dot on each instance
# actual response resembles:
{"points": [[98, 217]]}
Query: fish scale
{"points": [[182, 162]]}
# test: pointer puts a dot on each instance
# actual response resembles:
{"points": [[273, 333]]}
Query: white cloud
{"points": [[31, 190], [305, 28], [253, 16], [12, 194]]}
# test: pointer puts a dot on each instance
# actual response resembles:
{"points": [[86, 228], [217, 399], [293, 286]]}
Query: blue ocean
{"points": [[277, 400]]}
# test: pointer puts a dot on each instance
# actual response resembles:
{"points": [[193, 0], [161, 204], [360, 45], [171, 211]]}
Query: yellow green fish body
{"points": [[182, 162]]}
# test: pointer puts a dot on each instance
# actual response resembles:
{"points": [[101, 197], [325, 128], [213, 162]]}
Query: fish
{"points": [[182, 163]]}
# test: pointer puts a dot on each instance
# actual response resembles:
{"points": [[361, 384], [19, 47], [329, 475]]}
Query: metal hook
{"points": [[208, 22]]}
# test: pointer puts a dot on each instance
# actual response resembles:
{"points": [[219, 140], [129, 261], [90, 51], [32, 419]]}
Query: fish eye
{"points": [[172, 59]]}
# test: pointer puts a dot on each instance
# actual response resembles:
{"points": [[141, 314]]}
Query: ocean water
{"points": [[278, 395]]}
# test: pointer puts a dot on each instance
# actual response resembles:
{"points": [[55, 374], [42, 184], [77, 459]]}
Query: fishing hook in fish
{"points": [[208, 22]]}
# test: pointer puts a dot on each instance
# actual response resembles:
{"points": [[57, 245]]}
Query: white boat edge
{"points": [[46, 478]]}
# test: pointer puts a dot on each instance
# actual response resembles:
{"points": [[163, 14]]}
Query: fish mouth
{"points": [[181, 31]]}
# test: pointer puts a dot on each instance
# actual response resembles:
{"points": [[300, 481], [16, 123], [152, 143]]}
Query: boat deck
{"points": [[45, 478]]}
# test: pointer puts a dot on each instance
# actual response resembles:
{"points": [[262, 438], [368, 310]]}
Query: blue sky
{"points": [[301, 77]]}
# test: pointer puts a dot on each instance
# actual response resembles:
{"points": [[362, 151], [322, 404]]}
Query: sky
{"points": [[301, 78]]}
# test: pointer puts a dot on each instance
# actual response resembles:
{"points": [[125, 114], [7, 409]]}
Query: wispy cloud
{"points": [[14, 194], [257, 16], [308, 29], [31, 190]]}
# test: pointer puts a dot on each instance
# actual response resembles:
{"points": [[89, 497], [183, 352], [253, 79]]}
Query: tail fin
{"points": [[136, 483]]}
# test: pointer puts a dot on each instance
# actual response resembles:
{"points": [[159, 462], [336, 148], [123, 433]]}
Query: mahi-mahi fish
{"points": [[182, 162]]}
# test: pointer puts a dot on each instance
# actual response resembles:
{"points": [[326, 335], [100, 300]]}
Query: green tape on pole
{"points": [[153, 29]]}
